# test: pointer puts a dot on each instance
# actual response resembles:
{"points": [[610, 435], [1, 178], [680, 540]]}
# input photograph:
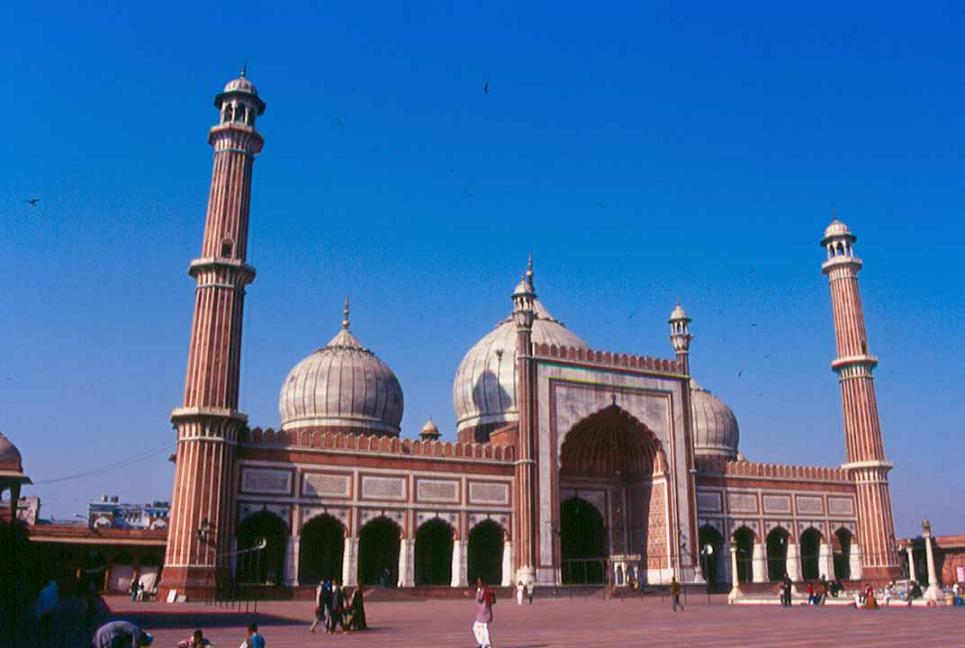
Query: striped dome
{"points": [[342, 386], [716, 433], [484, 390]]}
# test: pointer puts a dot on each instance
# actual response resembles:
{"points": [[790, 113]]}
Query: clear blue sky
{"points": [[641, 153]]}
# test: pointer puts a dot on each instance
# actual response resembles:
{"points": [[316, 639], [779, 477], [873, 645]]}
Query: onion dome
{"points": [[837, 229], [484, 390], [241, 86], [342, 386], [678, 314], [716, 433], [430, 431], [11, 462]]}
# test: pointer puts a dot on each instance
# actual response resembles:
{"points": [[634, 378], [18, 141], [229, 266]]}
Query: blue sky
{"points": [[642, 153]]}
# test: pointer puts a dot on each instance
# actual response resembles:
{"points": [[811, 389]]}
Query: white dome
{"points": [[342, 386], [716, 432], [484, 390]]}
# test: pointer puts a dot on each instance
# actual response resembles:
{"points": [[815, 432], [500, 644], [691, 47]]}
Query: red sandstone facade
{"points": [[574, 465]]}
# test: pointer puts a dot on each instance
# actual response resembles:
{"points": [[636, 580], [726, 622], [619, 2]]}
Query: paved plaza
{"points": [[578, 622]]}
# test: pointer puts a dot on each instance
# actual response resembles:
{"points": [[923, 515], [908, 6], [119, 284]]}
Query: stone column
{"points": [[350, 567], [459, 563], [735, 588], [825, 561], [759, 563], [407, 562], [910, 550], [854, 561], [290, 578], [932, 593], [507, 580], [793, 562]]}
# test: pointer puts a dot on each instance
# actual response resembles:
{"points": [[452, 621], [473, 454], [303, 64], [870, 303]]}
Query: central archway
{"points": [[582, 542], [811, 554], [433, 553], [379, 543], [613, 460]]}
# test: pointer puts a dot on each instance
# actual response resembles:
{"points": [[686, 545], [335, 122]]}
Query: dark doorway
{"points": [[261, 566], [744, 541], [582, 543], [320, 550], [711, 554], [379, 553], [810, 554], [842, 554], [485, 559], [433, 553], [777, 554]]}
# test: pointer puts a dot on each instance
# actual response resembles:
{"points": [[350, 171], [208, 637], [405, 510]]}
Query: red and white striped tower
{"points": [[862, 431], [202, 517], [526, 488]]}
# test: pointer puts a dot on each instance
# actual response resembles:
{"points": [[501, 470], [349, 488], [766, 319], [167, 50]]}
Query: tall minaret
{"points": [[527, 498], [862, 431], [202, 516]]}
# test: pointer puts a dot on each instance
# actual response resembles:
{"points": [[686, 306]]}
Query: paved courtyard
{"points": [[550, 623]]}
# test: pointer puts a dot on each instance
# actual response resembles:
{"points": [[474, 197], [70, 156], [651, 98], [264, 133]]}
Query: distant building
{"points": [[111, 513]]}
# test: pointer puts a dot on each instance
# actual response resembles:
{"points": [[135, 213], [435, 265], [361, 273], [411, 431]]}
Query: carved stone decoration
{"points": [[481, 492], [266, 481], [366, 515], [742, 502], [809, 505], [326, 485], [777, 504], [247, 509], [709, 502], [437, 490], [449, 517], [384, 488], [841, 505], [501, 519], [340, 513]]}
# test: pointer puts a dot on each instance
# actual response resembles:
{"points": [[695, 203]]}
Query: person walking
{"points": [[675, 590], [520, 589], [357, 607], [482, 626], [321, 603], [786, 592], [336, 612], [120, 633], [530, 586]]}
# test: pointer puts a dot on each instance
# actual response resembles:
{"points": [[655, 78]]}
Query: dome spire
{"points": [[244, 69], [529, 270], [345, 313]]}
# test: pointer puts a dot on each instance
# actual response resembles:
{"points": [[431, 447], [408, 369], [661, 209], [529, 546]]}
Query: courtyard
{"points": [[561, 622]]}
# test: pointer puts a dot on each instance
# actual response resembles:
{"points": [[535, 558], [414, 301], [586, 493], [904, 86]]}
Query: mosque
{"points": [[571, 464]]}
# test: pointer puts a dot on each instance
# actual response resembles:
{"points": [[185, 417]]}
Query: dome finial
{"points": [[345, 311], [244, 69], [529, 269]]}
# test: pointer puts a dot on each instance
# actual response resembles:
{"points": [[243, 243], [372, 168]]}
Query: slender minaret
{"points": [[862, 431], [680, 336], [525, 540], [202, 516]]}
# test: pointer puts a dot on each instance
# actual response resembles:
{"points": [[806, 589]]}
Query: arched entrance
{"points": [[261, 566], [842, 553], [379, 552], [613, 497], [582, 542], [433, 553], [320, 550], [777, 554], [744, 540], [485, 559], [810, 554], [711, 554]]}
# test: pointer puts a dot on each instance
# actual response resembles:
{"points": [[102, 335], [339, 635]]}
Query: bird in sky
{"points": [[338, 121], [740, 372], [486, 88], [32, 201]]}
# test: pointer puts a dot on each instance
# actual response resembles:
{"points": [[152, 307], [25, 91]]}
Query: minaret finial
{"points": [[529, 270], [244, 69], [345, 315]]}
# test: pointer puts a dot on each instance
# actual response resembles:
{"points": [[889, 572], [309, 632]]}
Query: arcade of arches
{"points": [[612, 513], [379, 556], [809, 556]]}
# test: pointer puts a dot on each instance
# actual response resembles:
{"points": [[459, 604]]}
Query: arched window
{"points": [[841, 545], [320, 549], [744, 541], [433, 553], [485, 558], [777, 554], [262, 542], [811, 554], [227, 248]]}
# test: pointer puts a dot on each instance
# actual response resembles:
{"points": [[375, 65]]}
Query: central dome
{"points": [[484, 390], [342, 386]]}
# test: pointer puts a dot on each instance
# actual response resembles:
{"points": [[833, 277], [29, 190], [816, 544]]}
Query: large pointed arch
{"points": [[611, 442]]}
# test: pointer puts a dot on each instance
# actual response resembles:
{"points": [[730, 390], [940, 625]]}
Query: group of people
{"points": [[124, 634], [524, 590], [334, 607]]}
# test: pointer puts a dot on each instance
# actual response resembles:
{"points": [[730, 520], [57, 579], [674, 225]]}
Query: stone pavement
{"points": [[550, 623]]}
